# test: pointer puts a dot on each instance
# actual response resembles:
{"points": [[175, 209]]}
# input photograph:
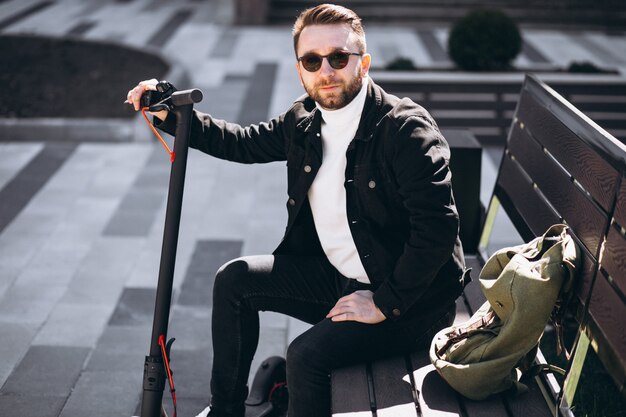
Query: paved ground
{"points": [[81, 222]]}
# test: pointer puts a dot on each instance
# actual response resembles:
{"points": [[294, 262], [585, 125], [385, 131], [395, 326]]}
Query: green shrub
{"points": [[585, 67], [401, 64], [484, 40]]}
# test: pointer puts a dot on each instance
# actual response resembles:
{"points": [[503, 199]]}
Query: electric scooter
{"points": [[268, 394]]}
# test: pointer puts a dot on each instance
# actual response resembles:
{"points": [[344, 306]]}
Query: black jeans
{"points": [[305, 288]]}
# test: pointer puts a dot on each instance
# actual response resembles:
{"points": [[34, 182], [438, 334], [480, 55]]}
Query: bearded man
{"points": [[371, 255]]}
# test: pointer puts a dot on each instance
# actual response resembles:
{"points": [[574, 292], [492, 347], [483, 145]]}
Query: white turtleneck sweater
{"points": [[327, 194]]}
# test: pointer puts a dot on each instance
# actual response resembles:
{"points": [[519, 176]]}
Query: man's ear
{"points": [[366, 61]]}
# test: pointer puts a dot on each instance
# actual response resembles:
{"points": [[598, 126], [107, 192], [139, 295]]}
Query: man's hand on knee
{"points": [[358, 306]]}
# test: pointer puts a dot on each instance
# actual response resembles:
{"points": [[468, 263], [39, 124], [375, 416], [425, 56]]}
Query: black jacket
{"points": [[398, 192]]}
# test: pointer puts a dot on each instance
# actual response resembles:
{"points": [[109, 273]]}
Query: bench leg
{"points": [[494, 205], [573, 376]]}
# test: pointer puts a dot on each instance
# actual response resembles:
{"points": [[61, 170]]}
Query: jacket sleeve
{"points": [[265, 142], [419, 161]]}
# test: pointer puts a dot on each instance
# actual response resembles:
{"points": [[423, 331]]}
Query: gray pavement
{"points": [[81, 222]]}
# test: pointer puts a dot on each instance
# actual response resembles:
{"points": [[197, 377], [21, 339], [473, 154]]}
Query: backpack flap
{"points": [[521, 285]]}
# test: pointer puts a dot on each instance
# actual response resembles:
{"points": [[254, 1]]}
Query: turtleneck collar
{"points": [[350, 111]]}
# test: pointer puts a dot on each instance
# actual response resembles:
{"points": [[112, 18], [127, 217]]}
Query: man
{"points": [[371, 255]]}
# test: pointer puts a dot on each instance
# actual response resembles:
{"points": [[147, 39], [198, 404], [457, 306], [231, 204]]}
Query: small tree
{"points": [[484, 40]]}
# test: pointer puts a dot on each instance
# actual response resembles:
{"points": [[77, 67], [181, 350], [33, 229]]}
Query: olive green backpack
{"points": [[523, 284]]}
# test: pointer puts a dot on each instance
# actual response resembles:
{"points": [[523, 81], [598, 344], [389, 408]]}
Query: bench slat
{"points": [[588, 268], [518, 197], [491, 407], [588, 222], [393, 389], [595, 174], [436, 398], [620, 208], [349, 397], [531, 403], [606, 329], [614, 258]]}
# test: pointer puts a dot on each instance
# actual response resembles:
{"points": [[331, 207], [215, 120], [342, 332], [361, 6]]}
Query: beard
{"points": [[339, 99]]}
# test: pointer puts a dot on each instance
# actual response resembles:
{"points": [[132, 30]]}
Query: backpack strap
{"points": [[462, 332]]}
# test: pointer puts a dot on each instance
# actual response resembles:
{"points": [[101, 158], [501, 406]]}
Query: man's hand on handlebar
{"points": [[134, 96]]}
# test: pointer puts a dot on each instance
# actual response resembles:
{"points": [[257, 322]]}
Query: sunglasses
{"points": [[312, 62]]}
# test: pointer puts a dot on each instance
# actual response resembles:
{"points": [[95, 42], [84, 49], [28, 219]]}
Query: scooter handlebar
{"points": [[184, 97]]}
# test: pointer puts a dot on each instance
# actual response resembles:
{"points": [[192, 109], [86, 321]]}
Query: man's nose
{"points": [[326, 69]]}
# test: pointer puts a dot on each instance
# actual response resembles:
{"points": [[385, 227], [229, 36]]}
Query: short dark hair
{"points": [[329, 14]]}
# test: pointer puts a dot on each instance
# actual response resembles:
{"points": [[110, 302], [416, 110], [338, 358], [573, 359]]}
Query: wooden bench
{"points": [[558, 167], [485, 103]]}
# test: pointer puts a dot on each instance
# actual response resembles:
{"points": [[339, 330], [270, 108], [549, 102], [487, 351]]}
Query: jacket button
{"points": [[307, 168], [292, 202], [396, 312], [372, 184]]}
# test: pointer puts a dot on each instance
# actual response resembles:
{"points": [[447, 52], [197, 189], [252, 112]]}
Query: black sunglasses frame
{"points": [[337, 60]]}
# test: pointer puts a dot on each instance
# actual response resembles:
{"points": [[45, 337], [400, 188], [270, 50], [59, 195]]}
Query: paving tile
{"points": [[603, 55], [17, 250], [226, 44], [124, 339], [23, 187], [207, 258], [12, 7], [52, 370], [29, 304], [270, 319], [192, 372], [256, 103], [54, 264], [434, 46], [130, 223], [142, 200], [83, 223], [104, 394], [51, 21], [39, 279], [191, 326], [26, 405], [226, 99], [104, 360], [533, 54], [74, 325], [187, 406], [183, 47], [15, 343], [80, 29], [24, 14], [271, 343], [136, 306], [163, 34], [16, 156], [8, 275], [287, 90], [146, 271], [295, 328], [137, 211], [104, 271]]}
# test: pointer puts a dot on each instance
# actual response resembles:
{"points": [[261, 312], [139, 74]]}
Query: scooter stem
{"points": [[154, 370]]}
